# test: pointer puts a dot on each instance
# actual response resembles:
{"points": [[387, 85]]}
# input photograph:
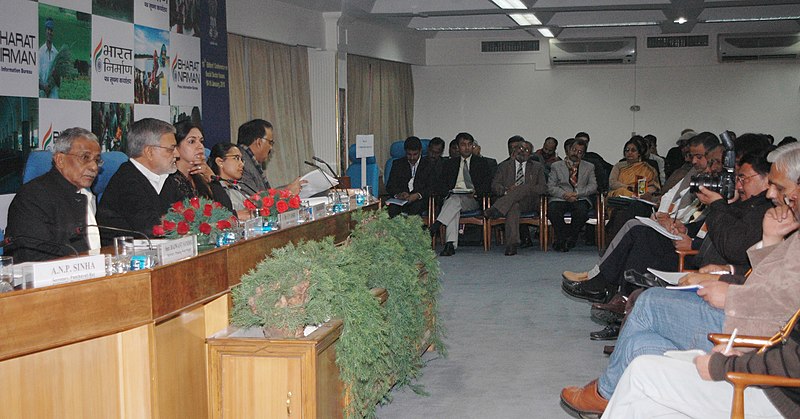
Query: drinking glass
{"points": [[6, 273], [123, 251]]}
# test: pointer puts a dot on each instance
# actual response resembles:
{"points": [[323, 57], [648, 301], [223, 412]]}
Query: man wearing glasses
{"points": [[47, 217], [255, 140], [131, 199]]}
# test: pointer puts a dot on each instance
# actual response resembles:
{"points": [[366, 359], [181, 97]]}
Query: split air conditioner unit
{"points": [[593, 51], [758, 47]]}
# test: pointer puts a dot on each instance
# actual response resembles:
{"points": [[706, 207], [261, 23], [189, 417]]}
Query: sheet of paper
{"points": [[657, 227], [317, 182], [671, 278], [462, 191], [684, 287], [396, 201]]}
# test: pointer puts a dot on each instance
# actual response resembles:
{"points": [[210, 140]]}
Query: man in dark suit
{"points": [[47, 216], [409, 180], [571, 185], [131, 199], [255, 140], [602, 168], [471, 177], [518, 183]]}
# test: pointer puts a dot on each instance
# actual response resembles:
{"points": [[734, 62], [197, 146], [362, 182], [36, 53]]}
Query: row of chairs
{"points": [[40, 162], [537, 219]]}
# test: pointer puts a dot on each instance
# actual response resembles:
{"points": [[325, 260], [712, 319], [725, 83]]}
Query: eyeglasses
{"points": [[631, 150], [171, 148], [87, 158], [234, 156], [743, 178], [271, 142]]}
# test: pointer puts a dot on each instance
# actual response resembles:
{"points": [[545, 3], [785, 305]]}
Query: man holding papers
{"points": [[409, 180], [468, 178]]}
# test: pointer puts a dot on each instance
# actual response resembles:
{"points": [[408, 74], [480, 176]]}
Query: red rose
{"points": [[268, 202], [178, 206], [272, 192], [249, 204], [217, 204], [158, 230], [205, 228], [294, 202], [207, 210], [284, 193], [282, 207], [168, 225], [223, 225], [195, 202], [189, 215], [265, 212], [183, 228]]}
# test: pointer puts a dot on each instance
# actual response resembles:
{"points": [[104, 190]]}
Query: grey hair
{"points": [[63, 143], [146, 132], [786, 158]]}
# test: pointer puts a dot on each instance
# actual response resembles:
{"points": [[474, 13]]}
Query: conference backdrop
{"points": [[103, 64]]}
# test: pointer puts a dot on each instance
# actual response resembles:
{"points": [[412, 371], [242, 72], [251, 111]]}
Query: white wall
{"points": [[276, 21], [383, 42], [494, 96]]}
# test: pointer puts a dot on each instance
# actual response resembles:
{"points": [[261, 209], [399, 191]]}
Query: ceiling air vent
{"points": [[677, 41], [593, 51], [755, 47], [509, 46]]}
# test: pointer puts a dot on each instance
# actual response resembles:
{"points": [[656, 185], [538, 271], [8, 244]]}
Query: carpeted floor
{"points": [[514, 338]]}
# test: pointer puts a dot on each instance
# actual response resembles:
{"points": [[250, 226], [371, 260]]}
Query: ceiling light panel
{"points": [[752, 12], [421, 6], [547, 33], [510, 4], [606, 17], [477, 21], [593, 3], [525, 19]]}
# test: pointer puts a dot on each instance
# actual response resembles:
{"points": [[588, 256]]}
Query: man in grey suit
{"points": [[518, 183], [572, 186], [256, 140]]}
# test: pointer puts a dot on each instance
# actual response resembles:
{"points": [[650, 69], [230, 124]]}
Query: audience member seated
{"points": [[602, 168], [226, 162], [517, 184], [193, 175], [410, 180], [652, 152], [676, 156], [476, 151], [462, 174], [436, 159], [452, 151], [572, 186], [625, 175], [131, 200], [667, 320], [255, 140], [49, 215], [549, 152]]}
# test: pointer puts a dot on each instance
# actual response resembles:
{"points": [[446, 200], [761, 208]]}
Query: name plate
{"points": [[319, 210], [43, 274], [177, 249], [289, 218]]}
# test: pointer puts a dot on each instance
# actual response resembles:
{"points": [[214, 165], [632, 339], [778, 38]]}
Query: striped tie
{"points": [[520, 176]]}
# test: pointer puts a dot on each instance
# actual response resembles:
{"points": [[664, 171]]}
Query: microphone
{"points": [[320, 170], [82, 230], [326, 164], [20, 244]]}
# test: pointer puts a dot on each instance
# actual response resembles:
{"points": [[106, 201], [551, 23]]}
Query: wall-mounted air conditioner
{"points": [[752, 47], [593, 51]]}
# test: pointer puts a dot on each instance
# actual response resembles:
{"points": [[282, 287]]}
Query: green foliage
{"points": [[315, 281]]}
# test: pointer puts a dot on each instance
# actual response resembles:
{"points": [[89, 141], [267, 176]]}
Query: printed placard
{"points": [[184, 70], [58, 115], [152, 13], [19, 46], [151, 111], [112, 61]]}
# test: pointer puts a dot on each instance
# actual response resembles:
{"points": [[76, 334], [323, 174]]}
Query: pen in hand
{"points": [[730, 342]]}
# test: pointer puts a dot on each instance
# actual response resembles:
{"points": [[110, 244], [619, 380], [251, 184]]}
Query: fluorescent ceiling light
{"points": [[510, 4], [525, 19], [480, 28], [546, 32], [751, 19], [680, 21], [610, 25]]}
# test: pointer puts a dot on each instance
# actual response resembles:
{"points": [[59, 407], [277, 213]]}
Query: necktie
{"points": [[573, 176], [520, 179], [467, 177], [92, 233]]}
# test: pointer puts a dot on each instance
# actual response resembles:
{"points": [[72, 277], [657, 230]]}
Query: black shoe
{"points": [[449, 249], [558, 245], [434, 229], [526, 243], [608, 349], [644, 280], [605, 316], [570, 244], [511, 250], [578, 290], [609, 333], [492, 213]]}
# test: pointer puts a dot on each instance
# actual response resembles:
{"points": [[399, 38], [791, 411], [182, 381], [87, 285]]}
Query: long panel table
{"points": [[129, 345]]}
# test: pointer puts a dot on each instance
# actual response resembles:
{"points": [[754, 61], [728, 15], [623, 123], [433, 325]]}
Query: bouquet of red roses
{"points": [[200, 216], [272, 201]]}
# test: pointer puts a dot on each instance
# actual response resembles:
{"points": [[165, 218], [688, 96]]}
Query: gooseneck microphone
{"points": [[19, 242], [81, 230], [323, 173], [326, 165]]}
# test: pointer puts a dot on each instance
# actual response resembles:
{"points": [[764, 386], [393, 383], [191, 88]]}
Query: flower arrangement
{"points": [[272, 201], [200, 216]]}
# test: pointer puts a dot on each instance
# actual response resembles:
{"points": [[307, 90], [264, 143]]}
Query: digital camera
{"points": [[725, 182]]}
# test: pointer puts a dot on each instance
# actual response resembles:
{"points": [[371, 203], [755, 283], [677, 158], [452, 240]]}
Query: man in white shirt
{"points": [[47, 57]]}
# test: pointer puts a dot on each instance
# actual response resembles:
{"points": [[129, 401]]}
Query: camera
{"points": [[725, 182]]}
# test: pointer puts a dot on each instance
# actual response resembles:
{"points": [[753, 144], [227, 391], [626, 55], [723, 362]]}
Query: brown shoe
{"points": [[575, 276], [616, 305], [584, 400]]}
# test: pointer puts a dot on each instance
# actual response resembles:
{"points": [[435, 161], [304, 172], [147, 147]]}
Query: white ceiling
{"points": [[593, 17]]}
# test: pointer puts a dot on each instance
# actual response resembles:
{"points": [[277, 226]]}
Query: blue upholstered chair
{"points": [[37, 164], [354, 171], [112, 161], [396, 151]]}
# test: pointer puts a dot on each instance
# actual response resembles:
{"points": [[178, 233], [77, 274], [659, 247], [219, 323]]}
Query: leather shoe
{"points": [[609, 333], [608, 349], [575, 276], [616, 305], [434, 229], [449, 249], [584, 400], [492, 213], [578, 290], [526, 242], [606, 316], [511, 250], [644, 280]]}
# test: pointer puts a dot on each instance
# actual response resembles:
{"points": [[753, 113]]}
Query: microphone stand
{"points": [[121, 230], [315, 158]]}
